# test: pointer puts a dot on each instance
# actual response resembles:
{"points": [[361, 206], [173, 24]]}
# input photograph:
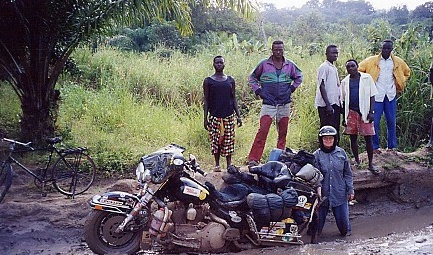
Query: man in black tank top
{"points": [[220, 107]]}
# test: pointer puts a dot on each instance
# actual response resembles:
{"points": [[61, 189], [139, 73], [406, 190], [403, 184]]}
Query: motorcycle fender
{"points": [[115, 201]]}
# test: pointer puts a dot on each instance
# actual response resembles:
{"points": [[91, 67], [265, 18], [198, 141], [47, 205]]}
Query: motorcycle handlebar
{"points": [[198, 169], [193, 166]]}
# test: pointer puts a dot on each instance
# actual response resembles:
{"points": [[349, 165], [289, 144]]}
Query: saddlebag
{"points": [[271, 207]]}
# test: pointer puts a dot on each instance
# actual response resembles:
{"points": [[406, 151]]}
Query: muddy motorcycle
{"points": [[172, 212]]}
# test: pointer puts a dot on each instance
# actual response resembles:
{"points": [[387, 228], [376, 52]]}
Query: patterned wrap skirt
{"points": [[222, 135]]}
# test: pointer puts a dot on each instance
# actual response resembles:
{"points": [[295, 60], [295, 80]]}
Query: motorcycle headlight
{"points": [[141, 173], [177, 162]]}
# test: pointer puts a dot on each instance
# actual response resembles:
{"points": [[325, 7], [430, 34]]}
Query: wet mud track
{"points": [[391, 220]]}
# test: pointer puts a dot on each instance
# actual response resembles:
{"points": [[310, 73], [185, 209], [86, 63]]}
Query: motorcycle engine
{"points": [[194, 230], [191, 214]]}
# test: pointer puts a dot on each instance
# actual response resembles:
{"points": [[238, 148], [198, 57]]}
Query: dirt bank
{"points": [[393, 219]]}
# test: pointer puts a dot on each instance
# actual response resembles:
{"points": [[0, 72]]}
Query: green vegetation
{"points": [[124, 105]]}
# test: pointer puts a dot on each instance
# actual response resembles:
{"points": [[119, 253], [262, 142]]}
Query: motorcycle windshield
{"points": [[169, 149], [158, 162]]}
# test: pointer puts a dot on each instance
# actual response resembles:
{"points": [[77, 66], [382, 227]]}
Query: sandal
{"points": [[373, 170], [217, 169]]}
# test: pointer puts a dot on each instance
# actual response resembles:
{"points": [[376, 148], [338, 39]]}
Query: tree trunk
{"points": [[37, 121]]}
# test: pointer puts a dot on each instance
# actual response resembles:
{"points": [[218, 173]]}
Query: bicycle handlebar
{"points": [[28, 145]]}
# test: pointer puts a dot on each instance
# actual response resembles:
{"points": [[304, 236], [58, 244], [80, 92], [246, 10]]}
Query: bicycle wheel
{"points": [[74, 173], [5, 179]]}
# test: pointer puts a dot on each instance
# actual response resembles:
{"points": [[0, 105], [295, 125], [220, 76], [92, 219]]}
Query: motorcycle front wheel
{"points": [[100, 235]]}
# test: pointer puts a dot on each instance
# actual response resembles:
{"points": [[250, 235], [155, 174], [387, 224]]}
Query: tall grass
{"points": [[124, 105], [10, 110]]}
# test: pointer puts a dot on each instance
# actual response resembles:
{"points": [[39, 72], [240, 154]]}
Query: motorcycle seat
{"points": [[232, 196]]}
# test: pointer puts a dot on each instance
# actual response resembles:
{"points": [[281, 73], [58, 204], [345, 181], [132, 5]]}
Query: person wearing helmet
{"points": [[337, 184]]}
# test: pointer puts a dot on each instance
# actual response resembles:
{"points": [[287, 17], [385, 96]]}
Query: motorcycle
{"points": [[173, 212]]}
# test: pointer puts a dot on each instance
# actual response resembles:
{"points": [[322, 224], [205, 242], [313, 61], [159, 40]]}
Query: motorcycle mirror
{"points": [[192, 159]]}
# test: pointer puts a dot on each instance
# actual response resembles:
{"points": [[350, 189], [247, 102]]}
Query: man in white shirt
{"points": [[328, 91]]}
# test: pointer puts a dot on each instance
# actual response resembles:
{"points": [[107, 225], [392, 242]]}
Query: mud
{"points": [[393, 220]]}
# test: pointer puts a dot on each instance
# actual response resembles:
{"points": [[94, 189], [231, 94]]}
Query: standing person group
{"points": [[367, 92], [275, 79]]}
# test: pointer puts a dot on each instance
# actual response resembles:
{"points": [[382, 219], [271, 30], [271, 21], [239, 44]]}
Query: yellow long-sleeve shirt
{"points": [[401, 70]]}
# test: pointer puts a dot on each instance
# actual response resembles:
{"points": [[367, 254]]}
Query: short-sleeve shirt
{"points": [[329, 74], [221, 102]]}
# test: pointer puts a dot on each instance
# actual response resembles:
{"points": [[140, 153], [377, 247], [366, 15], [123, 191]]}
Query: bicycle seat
{"points": [[53, 140]]}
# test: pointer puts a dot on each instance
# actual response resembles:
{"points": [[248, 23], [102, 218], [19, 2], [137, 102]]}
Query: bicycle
{"points": [[72, 174]]}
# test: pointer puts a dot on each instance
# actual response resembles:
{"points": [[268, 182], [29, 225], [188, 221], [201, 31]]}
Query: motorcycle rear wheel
{"points": [[101, 238]]}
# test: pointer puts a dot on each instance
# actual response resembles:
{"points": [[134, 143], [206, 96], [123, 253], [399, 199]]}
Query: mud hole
{"points": [[392, 220]]}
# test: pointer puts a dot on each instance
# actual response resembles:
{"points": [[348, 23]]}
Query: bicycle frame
{"points": [[51, 149], [71, 172]]}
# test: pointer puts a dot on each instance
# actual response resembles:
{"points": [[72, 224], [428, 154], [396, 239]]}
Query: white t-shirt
{"points": [[329, 74]]}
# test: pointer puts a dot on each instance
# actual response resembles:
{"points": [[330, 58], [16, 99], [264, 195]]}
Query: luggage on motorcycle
{"points": [[271, 207], [290, 197], [310, 174], [270, 169], [274, 155], [306, 194], [234, 175], [272, 175], [300, 158]]}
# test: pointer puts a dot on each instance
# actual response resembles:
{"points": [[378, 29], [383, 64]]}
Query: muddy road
{"points": [[392, 220]]}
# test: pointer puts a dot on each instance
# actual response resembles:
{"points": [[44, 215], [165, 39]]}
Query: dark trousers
{"points": [[341, 215], [333, 119]]}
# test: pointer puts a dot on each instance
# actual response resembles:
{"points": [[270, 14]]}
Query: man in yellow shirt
{"points": [[390, 74]]}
